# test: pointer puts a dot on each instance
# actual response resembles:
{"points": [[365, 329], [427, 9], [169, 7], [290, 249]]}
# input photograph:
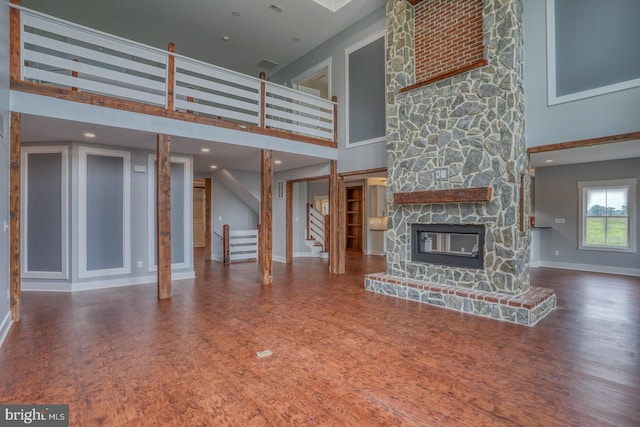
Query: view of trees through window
{"points": [[607, 219]]}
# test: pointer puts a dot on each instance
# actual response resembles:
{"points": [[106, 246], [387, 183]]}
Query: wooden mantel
{"points": [[458, 195]]}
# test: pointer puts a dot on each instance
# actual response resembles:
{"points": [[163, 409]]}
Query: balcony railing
{"points": [[67, 56]]}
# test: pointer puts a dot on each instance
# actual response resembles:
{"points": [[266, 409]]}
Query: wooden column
{"points": [[163, 215], [14, 26], [341, 227], [225, 244], [14, 216], [266, 201], [289, 202], [171, 78], [335, 118], [333, 217], [263, 96], [207, 219]]}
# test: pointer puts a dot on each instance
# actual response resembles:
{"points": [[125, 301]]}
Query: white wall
{"points": [[5, 321], [557, 197], [357, 158], [603, 115]]}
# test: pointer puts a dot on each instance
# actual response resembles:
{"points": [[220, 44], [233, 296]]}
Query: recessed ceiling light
{"points": [[89, 135], [235, 13], [549, 161], [205, 150], [225, 38], [214, 166], [277, 162]]}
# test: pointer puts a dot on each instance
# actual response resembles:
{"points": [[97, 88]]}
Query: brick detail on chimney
{"points": [[448, 36]]}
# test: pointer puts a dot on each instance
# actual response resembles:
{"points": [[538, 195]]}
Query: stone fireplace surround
{"points": [[471, 126]]}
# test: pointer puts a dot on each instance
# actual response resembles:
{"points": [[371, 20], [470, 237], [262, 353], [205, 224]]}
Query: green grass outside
{"points": [[616, 231]]}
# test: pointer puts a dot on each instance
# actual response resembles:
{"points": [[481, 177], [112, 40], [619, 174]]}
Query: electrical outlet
{"points": [[557, 252], [139, 264], [441, 174], [559, 220]]}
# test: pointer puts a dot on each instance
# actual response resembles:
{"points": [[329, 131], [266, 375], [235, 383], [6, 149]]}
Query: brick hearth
{"points": [[524, 309]]}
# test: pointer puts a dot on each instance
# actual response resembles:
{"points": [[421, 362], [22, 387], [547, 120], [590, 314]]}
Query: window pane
{"points": [[617, 201], [595, 231], [617, 232], [596, 201]]}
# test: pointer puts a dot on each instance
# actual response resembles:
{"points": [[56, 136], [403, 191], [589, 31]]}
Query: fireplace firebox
{"points": [[452, 245]]}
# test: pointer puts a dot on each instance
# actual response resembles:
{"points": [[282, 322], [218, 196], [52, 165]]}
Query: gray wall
{"points": [[357, 158], [226, 208], [603, 115], [557, 197], [4, 164]]}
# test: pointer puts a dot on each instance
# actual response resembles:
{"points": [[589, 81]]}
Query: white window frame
{"points": [[553, 99], [348, 51], [83, 153], [151, 213], [327, 63], [583, 186], [64, 214]]}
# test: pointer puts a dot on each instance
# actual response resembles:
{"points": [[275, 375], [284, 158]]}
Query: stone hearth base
{"points": [[524, 309]]}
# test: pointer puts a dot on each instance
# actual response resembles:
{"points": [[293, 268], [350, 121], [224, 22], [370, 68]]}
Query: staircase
{"points": [[317, 232]]}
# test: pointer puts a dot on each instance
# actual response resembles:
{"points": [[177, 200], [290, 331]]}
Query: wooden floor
{"points": [[341, 355]]}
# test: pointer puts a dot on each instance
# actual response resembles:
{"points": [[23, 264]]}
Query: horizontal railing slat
{"points": [[102, 73], [213, 71], [298, 129], [82, 52], [299, 108], [93, 87], [216, 112], [243, 256], [218, 99], [242, 241], [298, 96], [74, 32], [298, 119], [220, 87]]}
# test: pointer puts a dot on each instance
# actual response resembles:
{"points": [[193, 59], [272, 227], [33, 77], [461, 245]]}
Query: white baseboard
{"points": [[375, 253], [306, 254], [281, 259], [589, 267], [5, 327], [101, 284]]}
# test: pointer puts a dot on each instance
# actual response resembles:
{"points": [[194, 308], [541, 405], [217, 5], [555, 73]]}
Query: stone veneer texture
{"points": [[471, 124]]}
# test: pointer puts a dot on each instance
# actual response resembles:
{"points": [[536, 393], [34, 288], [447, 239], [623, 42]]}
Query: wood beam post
{"points": [[266, 202], [207, 219], [171, 78], [225, 244], [263, 97], [289, 202], [341, 227], [14, 217], [15, 43], [333, 217], [163, 215]]}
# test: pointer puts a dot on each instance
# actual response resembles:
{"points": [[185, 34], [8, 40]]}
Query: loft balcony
{"points": [[59, 59]]}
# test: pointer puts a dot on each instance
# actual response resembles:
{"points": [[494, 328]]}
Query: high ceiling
{"points": [[279, 31]]}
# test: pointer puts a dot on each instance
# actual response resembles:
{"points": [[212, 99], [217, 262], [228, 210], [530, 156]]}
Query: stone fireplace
{"points": [[457, 161]]}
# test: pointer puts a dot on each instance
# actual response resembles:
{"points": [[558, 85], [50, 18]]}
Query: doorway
{"points": [[199, 207]]}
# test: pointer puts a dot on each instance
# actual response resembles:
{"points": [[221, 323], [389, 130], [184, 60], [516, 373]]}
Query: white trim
{"points": [[348, 50], [5, 327], [327, 63], [607, 269], [306, 254], [151, 211], [31, 286], [630, 185], [280, 259], [377, 253], [553, 99], [64, 214], [83, 153]]}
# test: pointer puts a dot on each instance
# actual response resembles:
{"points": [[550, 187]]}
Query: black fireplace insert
{"points": [[455, 245]]}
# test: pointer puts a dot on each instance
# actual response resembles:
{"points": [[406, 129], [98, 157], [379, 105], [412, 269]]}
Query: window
{"points": [[607, 219]]}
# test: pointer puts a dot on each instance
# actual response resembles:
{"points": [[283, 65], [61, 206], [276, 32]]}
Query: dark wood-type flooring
{"points": [[341, 356]]}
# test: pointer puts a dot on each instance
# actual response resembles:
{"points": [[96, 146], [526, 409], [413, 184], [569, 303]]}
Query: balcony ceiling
{"points": [[279, 31]]}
